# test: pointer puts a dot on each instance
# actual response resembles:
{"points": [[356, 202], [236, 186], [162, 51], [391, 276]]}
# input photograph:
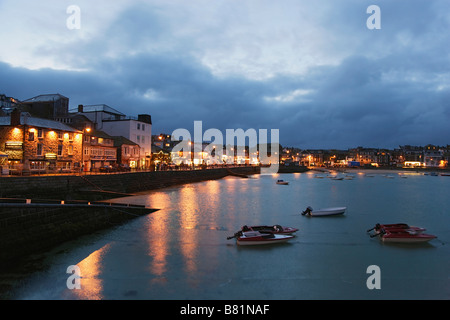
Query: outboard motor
{"points": [[307, 211]]}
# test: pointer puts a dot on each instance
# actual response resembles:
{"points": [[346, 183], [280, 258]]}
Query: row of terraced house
{"points": [[41, 135], [407, 156]]}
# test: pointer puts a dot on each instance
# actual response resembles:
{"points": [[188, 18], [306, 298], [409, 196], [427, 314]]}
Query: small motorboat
{"points": [[401, 233], [324, 212], [282, 182], [247, 238], [276, 229], [397, 227]]}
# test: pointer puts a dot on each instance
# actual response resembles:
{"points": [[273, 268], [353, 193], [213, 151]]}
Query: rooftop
{"points": [[98, 108], [38, 122], [46, 97]]}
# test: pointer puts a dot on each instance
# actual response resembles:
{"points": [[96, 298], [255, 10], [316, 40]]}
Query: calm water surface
{"points": [[182, 251]]}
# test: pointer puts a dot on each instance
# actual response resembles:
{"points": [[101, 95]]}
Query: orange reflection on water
{"points": [[90, 269], [158, 234], [189, 212]]}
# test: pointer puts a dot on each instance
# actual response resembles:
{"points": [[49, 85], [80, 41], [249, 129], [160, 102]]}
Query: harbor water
{"points": [[181, 252]]}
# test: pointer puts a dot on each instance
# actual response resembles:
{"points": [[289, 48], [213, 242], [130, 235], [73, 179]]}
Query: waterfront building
{"points": [[161, 158], [127, 152], [37, 145], [99, 152], [433, 156], [115, 123]]}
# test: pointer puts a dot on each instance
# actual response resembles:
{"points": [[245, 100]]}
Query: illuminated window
{"points": [[40, 133]]}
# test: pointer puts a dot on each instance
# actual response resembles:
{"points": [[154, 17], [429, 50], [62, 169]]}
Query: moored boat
{"points": [[397, 227], [275, 229], [324, 212], [405, 236], [401, 233], [282, 182], [247, 238]]}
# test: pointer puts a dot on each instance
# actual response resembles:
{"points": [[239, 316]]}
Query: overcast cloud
{"points": [[309, 68]]}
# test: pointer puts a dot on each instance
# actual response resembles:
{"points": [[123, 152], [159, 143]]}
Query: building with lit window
{"points": [[99, 152], [37, 145], [137, 129]]}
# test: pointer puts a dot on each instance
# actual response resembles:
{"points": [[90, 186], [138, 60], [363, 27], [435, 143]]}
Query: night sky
{"points": [[312, 69]]}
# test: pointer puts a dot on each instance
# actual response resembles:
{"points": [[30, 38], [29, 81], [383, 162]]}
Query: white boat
{"points": [[282, 182], [250, 238], [324, 212]]}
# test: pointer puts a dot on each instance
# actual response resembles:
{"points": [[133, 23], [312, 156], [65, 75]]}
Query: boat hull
{"points": [[253, 238], [398, 238]]}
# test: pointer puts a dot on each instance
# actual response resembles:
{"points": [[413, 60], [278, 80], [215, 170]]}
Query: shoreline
{"points": [[382, 170]]}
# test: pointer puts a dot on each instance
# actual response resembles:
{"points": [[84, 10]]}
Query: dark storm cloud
{"points": [[335, 85]]}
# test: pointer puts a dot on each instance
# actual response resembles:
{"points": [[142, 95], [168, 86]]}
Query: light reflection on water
{"points": [[91, 269], [181, 251]]}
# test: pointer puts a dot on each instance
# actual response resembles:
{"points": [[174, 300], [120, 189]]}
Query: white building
{"points": [[115, 123]]}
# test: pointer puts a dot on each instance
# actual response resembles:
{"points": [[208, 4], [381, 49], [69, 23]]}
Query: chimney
{"points": [[145, 118], [80, 108], [15, 117]]}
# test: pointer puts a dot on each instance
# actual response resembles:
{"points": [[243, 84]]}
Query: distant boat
{"points": [[324, 212], [282, 182]]}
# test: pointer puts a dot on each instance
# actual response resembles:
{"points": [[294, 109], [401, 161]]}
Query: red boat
{"points": [[275, 229], [401, 233], [247, 238], [397, 227]]}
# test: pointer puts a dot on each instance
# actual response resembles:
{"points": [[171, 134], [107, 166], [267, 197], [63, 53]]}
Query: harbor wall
{"points": [[89, 186], [32, 229]]}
